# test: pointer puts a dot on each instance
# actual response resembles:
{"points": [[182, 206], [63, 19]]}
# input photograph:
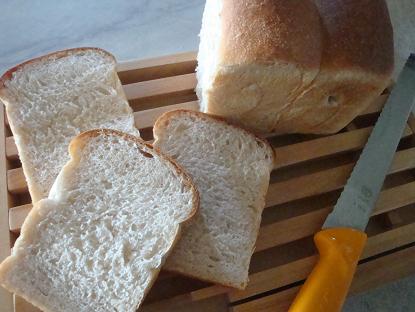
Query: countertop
{"points": [[143, 29]]}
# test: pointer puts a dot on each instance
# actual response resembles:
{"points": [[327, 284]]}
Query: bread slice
{"points": [[98, 241], [231, 169], [51, 99]]}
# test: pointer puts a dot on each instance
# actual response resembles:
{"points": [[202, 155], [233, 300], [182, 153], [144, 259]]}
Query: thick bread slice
{"points": [[231, 169], [98, 241], [51, 99]]}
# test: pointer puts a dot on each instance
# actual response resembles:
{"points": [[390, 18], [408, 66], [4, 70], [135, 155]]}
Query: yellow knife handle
{"points": [[326, 287]]}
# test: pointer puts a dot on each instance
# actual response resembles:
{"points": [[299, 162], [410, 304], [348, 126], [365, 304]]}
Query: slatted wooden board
{"points": [[308, 176]]}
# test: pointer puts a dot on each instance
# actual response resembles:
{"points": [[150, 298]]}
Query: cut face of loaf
{"points": [[293, 66], [231, 169], [98, 241], [51, 99]]}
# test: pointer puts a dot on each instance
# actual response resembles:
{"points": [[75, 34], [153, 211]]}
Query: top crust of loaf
{"points": [[54, 55], [258, 32], [353, 34], [163, 120], [358, 35]]}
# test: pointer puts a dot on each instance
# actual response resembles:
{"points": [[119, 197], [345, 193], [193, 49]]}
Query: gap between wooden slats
{"points": [[368, 275], [150, 69], [327, 180]]}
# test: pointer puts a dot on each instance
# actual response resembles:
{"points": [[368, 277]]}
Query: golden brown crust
{"points": [[194, 276], [357, 35], [269, 31], [55, 55], [164, 119]]}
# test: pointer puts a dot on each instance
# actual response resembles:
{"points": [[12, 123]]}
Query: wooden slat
{"points": [[325, 146], [327, 180], [150, 69], [6, 298], [17, 215], [147, 118], [22, 305], [291, 229], [368, 275], [298, 270], [11, 149], [160, 87], [16, 181], [288, 230]]}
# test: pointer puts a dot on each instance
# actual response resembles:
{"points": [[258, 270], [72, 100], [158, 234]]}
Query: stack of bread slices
{"points": [[110, 209]]}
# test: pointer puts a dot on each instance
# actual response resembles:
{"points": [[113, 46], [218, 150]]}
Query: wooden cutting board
{"points": [[308, 176]]}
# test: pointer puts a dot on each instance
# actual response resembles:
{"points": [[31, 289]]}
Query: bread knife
{"points": [[342, 238]]}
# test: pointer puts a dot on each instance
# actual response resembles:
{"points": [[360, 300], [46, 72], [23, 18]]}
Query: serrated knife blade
{"points": [[356, 202], [341, 241]]}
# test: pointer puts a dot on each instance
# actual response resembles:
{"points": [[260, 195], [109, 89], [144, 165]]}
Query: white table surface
{"points": [[143, 29]]}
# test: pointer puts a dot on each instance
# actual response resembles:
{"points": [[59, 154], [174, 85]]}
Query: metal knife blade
{"points": [[356, 202]]}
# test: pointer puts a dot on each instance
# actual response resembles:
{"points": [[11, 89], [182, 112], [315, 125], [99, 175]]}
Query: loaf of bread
{"points": [[293, 66], [51, 99], [231, 169], [402, 15], [99, 240]]}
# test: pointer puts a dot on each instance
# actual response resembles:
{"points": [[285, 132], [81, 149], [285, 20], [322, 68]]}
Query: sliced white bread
{"points": [[51, 99], [231, 169], [98, 241]]}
